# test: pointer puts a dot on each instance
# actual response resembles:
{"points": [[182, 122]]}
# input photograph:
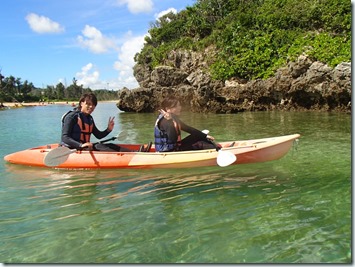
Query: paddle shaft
{"points": [[215, 145], [59, 155], [100, 142]]}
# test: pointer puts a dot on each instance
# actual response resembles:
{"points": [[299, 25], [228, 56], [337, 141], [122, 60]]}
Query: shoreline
{"points": [[8, 105]]}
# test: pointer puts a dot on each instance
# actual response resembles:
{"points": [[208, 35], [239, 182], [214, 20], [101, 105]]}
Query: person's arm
{"points": [[168, 127], [193, 131], [67, 130], [199, 134], [99, 134], [184, 127]]}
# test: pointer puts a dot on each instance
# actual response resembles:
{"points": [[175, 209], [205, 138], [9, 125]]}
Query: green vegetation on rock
{"points": [[253, 37]]}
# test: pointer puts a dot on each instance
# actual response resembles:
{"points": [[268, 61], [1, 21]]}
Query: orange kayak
{"points": [[246, 151]]}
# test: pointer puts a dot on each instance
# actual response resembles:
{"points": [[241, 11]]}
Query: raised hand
{"points": [[111, 123], [165, 114]]}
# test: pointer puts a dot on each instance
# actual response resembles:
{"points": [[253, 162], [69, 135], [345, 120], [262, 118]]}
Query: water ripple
{"points": [[188, 217]]}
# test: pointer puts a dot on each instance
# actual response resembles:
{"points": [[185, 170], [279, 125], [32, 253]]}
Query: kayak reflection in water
{"points": [[78, 125], [168, 127]]}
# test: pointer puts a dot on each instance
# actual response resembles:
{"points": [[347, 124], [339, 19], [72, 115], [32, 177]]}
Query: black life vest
{"points": [[85, 123]]}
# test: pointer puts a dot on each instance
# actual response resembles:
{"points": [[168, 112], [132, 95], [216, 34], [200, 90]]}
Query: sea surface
{"points": [[293, 210]]}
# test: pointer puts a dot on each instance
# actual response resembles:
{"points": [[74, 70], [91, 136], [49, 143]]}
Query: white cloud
{"points": [[89, 77], [137, 6], [41, 24], [125, 63], [164, 12], [95, 41]]}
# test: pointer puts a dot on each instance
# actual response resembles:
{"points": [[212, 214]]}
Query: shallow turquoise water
{"points": [[293, 210]]}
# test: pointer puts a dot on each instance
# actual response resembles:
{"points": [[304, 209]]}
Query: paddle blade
{"points": [[122, 136], [57, 156], [225, 158]]}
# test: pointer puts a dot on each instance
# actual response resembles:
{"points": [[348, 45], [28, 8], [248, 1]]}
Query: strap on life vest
{"points": [[85, 128], [65, 114]]}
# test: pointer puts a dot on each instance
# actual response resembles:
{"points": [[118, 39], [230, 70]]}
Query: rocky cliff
{"points": [[301, 85]]}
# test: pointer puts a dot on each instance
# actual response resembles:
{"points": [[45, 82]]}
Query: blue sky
{"points": [[47, 42]]}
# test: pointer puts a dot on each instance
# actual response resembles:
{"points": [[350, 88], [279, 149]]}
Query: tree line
{"points": [[14, 90]]}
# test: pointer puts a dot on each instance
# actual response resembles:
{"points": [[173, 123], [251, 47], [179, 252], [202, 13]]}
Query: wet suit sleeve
{"points": [[168, 127], [186, 128], [196, 133], [99, 134], [67, 129]]}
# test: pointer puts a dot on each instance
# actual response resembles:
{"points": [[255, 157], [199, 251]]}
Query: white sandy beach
{"points": [[31, 104]]}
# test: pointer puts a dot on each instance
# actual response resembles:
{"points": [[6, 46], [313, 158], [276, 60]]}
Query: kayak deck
{"points": [[246, 151]]}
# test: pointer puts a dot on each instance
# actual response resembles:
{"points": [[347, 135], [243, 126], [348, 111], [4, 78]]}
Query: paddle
{"points": [[224, 158], [60, 154]]}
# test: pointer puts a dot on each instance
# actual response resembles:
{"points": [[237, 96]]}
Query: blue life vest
{"points": [[162, 141]]}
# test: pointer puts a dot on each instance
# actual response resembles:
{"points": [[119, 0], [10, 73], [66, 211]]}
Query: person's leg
{"points": [[111, 148], [193, 143], [200, 145], [187, 142]]}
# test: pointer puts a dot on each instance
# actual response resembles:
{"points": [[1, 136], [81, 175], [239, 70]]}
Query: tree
{"points": [[26, 88], [60, 88]]}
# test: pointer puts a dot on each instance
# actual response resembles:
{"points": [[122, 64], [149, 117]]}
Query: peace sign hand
{"points": [[165, 114], [111, 123]]}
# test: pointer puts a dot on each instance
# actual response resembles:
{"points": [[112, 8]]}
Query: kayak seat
{"points": [[144, 148], [147, 149]]}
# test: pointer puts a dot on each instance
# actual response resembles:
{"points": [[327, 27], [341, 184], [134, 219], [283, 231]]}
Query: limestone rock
{"points": [[301, 85]]}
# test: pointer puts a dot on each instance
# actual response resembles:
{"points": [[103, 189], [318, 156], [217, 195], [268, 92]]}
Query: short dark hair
{"points": [[169, 102], [88, 97]]}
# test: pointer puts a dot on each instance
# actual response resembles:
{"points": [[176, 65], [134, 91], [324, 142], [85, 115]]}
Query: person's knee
{"points": [[200, 145]]}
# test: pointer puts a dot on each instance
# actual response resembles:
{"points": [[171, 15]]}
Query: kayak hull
{"points": [[246, 151]]}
